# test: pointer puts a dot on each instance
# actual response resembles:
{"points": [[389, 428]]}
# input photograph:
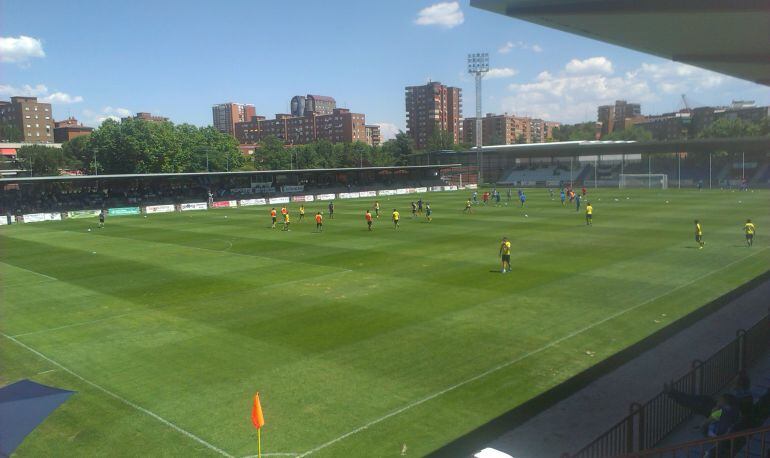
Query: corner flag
{"points": [[256, 413]]}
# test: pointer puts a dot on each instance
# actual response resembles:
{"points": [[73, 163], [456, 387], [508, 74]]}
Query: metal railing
{"points": [[647, 424], [753, 443]]}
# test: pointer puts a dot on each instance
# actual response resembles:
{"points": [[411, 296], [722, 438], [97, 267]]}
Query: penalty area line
{"points": [[30, 271], [521, 357], [120, 398]]}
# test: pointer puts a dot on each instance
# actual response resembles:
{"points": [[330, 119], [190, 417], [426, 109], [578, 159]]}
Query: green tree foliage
{"points": [[573, 132], [10, 133], [725, 127], [400, 148], [632, 133], [440, 140], [41, 160], [139, 146]]}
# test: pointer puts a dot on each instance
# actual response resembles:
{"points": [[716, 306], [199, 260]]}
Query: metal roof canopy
{"points": [[726, 36], [589, 148], [216, 174]]}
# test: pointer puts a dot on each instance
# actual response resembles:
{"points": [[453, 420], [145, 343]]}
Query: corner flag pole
{"points": [[259, 420]]}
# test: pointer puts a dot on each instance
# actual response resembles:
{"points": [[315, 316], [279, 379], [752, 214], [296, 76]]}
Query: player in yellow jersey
{"points": [[749, 229], [396, 217], [468, 207], [286, 221], [301, 212], [505, 255], [589, 214], [699, 234], [377, 209]]}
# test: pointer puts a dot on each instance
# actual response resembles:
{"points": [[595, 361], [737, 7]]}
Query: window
{"points": [[26, 108], [27, 116]]}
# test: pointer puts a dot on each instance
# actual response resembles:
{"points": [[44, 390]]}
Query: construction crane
{"points": [[684, 101]]}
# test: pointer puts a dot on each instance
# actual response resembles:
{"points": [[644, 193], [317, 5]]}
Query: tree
{"points": [[10, 133], [400, 148], [440, 140], [635, 133], [76, 153], [272, 155], [725, 127], [573, 132], [41, 160]]}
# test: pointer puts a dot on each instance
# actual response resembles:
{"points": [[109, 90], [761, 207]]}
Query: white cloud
{"points": [[96, 118], [444, 14], [574, 94], [510, 45], [20, 49], [505, 72], [591, 65], [41, 92], [387, 130], [62, 98]]}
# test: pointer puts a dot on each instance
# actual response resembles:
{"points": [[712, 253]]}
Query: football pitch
{"points": [[359, 342]]}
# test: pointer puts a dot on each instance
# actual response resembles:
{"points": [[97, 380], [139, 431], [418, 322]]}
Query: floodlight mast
{"points": [[478, 64]]}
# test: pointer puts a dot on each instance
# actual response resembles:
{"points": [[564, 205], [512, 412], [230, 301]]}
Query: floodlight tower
{"points": [[478, 64]]}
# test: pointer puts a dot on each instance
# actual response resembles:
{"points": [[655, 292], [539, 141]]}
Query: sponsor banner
{"points": [[193, 206], [83, 214], [325, 197], [34, 217], [159, 209], [410, 190], [368, 194], [302, 198], [420, 189], [450, 188], [298, 188], [250, 202], [349, 195], [471, 186], [38, 217], [262, 185], [402, 191], [225, 204], [279, 200], [437, 188], [4, 220], [387, 192], [120, 211]]}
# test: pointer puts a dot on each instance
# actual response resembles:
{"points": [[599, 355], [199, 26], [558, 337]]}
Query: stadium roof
{"points": [[726, 36], [204, 174], [586, 148]]}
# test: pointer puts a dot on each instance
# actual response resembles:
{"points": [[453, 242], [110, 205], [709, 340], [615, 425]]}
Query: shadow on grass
{"points": [[468, 444]]}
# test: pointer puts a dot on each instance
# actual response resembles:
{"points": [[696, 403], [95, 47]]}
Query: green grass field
{"points": [[358, 342]]}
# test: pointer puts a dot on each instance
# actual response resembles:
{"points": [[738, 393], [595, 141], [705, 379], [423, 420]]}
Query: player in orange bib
{"points": [[319, 222], [368, 217], [273, 216]]}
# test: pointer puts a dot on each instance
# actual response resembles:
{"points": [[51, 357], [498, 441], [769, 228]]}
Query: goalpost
{"points": [[643, 180]]}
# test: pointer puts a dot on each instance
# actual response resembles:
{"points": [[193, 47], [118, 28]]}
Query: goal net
{"points": [[643, 180]]}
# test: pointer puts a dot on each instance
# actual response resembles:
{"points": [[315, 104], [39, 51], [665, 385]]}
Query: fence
{"points": [[754, 443], [647, 424]]}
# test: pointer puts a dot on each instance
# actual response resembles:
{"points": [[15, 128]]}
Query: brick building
{"points": [[339, 126], [373, 136], [144, 116], [33, 119], [303, 105], [432, 107], [613, 117], [226, 115], [68, 129], [507, 130]]}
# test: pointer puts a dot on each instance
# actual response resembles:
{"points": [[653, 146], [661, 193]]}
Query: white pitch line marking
{"points": [[82, 323], [519, 358], [45, 372], [120, 398], [31, 271]]}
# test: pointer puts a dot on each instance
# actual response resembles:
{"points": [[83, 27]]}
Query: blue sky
{"points": [[94, 59]]}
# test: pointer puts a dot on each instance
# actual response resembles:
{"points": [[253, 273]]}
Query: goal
{"points": [[643, 180]]}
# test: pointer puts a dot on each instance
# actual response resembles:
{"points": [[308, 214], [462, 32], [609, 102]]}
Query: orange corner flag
{"points": [[256, 413]]}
